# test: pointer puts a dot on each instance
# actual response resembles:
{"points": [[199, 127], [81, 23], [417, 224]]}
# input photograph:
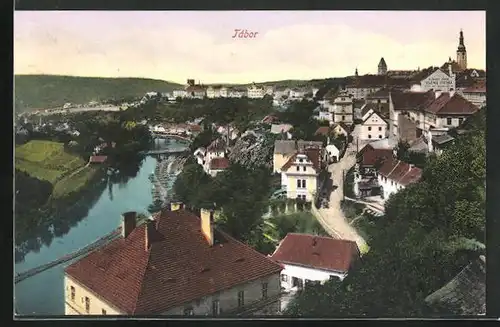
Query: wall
{"points": [[306, 273], [373, 128], [279, 160], [389, 187], [477, 98], [228, 299], [438, 81], [77, 307]]}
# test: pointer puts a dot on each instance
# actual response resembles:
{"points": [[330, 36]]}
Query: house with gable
{"points": [[175, 264], [373, 127], [395, 175], [311, 259]]}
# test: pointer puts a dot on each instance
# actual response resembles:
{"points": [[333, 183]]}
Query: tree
{"points": [[430, 231]]}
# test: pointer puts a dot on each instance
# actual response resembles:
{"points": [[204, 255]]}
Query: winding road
{"points": [[333, 216]]}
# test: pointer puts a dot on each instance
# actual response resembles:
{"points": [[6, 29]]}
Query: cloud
{"points": [[300, 51]]}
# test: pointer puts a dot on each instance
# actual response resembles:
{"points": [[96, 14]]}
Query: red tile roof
{"points": [[194, 128], [400, 171], [269, 119], [449, 105], [178, 267], [317, 252], [411, 100], [323, 130], [219, 163], [314, 155], [370, 156], [98, 159]]}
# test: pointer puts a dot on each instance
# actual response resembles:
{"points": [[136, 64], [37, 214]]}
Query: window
{"points": [[215, 307], [87, 304], [301, 160], [343, 118], [188, 311], [460, 121], [380, 136], [298, 183], [448, 121], [241, 299], [369, 136], [369, 128], [380, 128], [378, 101], [264, 290], [303, 183], [334, 278], [103, 312], [284, 278], [304, 168], [72, 288], [298, 168]]}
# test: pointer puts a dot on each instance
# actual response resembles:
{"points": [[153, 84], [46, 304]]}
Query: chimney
{"points": [[150, 229], [174, 206], [207, 225], [128, 223]]}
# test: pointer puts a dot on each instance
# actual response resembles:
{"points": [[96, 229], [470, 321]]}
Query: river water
{"points": [[43, 294]]}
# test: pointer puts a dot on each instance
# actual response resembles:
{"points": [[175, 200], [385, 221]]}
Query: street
{"points": [[333, 215]]}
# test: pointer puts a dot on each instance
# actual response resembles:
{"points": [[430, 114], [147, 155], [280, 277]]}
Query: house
{"points": [[476, 94], [438, 143], [310, 259], [340, 129], [173, 264], [195, 91], [378, 97], [233, 132], [401, 103], [193, 129], [300, 174], [179, 93], [199, 155], [447, 110], [325, 131], [297, 94], [439, 80], [373, 127], [217, 165], [255, 92], [269, 119], [235, 93], [285, 149], [282, 129], [362, 86], [370, 158], [97, 159], [216, 149], [269, 90], [358, 105], [465, 294], [332, 153], [342, 108], [395, 175], [324, 115]]}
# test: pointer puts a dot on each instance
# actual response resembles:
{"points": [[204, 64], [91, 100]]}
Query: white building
{"points": [[342, 108], [395, 175], [299, 175], [254, 92], [223, 92], [439, 81], [332, 153], [213, 92], [373, 127], [216, 165], [199, 155], [476, 94], [314, 91], [179, 93], [297, 94], [310, 259], [269, 90], [236, 94]]}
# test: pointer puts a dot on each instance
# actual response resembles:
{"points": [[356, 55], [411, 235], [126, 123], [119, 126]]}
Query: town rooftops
{"points": [[369, 156], [217, 145], [374, 81], [291, 146], [323, 130], [218, 163], [316, 252], [343, 126], [98, 159], [167, 263], [383, 144], [465, 294], [411, 100], [478, 87], [447, 104], [400, 172], [383, 93]]}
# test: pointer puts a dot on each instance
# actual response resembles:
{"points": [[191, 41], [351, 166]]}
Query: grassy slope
{"points": [[46, 91]]}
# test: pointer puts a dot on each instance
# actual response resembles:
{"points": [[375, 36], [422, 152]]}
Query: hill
{"points": [[47, 91]]}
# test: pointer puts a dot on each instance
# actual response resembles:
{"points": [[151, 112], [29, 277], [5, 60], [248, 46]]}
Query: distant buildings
{"points": [[255, 92], [173, 264]]}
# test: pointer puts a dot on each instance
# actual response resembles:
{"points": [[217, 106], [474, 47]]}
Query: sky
{"points": [[178, 45]]}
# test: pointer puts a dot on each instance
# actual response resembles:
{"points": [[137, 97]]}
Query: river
{"points": [[43, 294]]}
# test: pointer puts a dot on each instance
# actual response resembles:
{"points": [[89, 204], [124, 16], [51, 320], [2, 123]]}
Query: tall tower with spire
{"points": [[461, 52], [382, 67]]}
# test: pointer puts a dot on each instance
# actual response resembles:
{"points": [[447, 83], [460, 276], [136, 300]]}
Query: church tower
{"points": [[461, 52], [382, 67]]}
